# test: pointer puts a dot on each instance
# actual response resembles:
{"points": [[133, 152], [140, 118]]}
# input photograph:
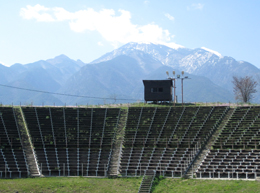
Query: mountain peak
{"points": [[212, 51], [58, 59], [159, 52], [138, 45], [62, 56]]}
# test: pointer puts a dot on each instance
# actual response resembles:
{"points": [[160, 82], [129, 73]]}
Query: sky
{"points": [[32, 30]]}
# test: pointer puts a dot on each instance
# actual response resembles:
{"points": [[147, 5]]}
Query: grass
{"points": [[204, 186], [106, 185], [70, 184], [120, 105], [141, 104]]}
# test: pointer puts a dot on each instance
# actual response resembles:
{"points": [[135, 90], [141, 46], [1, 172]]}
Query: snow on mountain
{"points": [[4, 64], [170, 45], [191, 62], [212, 51], [200, 61], [176, 56], [121, 72], [162, 53], [197, 59], [173, 45]]}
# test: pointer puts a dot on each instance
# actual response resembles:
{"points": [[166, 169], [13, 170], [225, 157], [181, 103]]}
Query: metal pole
{"points": [[182, 90], [160, 168], [181, 170], [174, 93], [140, 169], [192, 170]]}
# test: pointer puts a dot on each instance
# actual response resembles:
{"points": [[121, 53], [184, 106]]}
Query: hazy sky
{"points": [[32, 30]]}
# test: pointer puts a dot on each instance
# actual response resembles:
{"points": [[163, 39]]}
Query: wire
{"points": [[71, 95]]}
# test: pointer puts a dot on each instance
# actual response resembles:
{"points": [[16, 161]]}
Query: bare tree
{"points": [[113, 97], [244, 88]]}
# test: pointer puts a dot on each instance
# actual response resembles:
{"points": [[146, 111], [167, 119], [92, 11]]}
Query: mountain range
{"points": [[116, 77]]}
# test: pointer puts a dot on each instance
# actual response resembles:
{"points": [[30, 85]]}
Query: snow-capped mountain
{"points": [[199, 61], [162, 53], [181, 58], [119, 74]]}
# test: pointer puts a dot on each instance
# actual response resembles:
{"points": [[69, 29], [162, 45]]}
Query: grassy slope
{"points": [[79, 184], [192, 185], [70, 184]]}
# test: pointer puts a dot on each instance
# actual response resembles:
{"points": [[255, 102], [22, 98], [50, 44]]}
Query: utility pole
{"points": [[182, 91], [174, 87]]}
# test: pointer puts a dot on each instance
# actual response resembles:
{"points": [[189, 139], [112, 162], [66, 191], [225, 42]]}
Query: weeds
{"points": [[156, 181]]}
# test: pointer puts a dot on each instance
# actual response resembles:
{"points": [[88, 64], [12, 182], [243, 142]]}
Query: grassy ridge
{"points": [[204, 186], [70, 184]]}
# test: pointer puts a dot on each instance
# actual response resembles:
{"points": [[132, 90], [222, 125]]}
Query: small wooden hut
{"points": [[157, 90]]}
